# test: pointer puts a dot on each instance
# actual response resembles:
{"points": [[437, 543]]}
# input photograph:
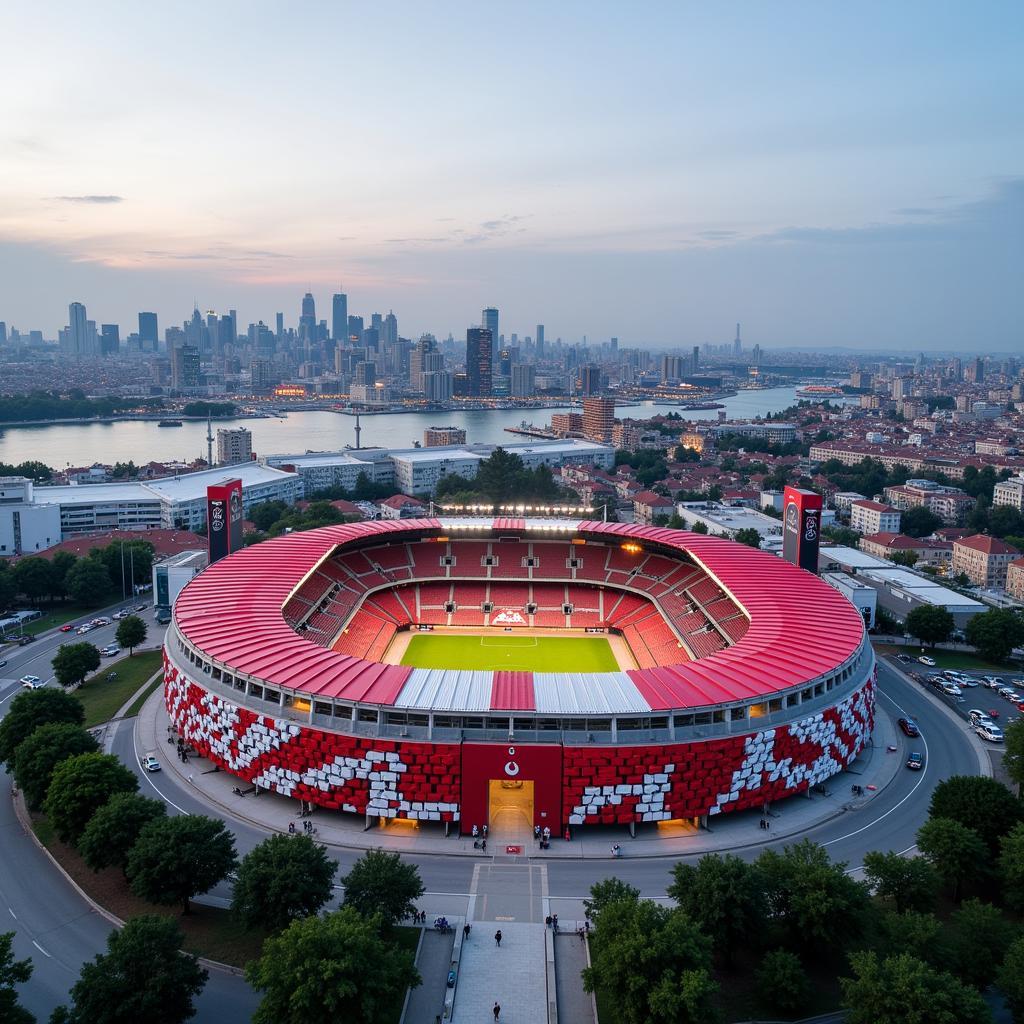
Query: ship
{"points": [[819, 391], [169, 423]]}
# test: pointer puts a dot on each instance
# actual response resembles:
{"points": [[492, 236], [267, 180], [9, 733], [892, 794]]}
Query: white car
{"points": [[979, 717], [87, 628], [994, 682], [122, 614], [950, 689], [1011, 695], [31, 682], [150, 763], [925, 660], [110, 650], [992, 733]]}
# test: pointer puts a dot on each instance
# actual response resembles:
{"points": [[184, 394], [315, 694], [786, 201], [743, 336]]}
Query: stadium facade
{"points": [[744, 679]]}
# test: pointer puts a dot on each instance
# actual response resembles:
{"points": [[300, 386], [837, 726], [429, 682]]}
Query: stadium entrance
{"points": [[510, 810]]}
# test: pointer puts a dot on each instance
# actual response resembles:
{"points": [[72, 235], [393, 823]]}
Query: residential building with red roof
{"points": [[885, 545], [1015, 579], [868, 517], [983, 559], [648, 507]]}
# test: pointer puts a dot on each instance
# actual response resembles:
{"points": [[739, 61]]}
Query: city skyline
{"points": [[830, 177]]}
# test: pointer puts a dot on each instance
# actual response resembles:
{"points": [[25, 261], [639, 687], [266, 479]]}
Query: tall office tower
{"points": [[614, 346], [478, 360], [524, 380], [371, 338], [233, 315], [279, 327], [672, 368], [365, 373], [737, 345], [110, 339], [3, 333], [355, 330], [696, 358], [307, 321], [149, 334], [598, 418], [979, 370], [437, 386], [505, 362], [755, 358], [489, 320], [185, 367], [211, 336], [226, 336], [194, 331], [426, 346], [540, 341], [339, 316], [260, 374], [590, 380], [78, 332], [389, 330], [92, 342]]}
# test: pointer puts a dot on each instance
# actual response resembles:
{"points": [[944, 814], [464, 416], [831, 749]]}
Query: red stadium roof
{"points": [[800, 628]]}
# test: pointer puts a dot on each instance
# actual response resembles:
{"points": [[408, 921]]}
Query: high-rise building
{"points": [[590, 380], [524, 380], [426, 346], [3, 333], [307, 321], [671, 368], [233, 316], [110, 339], [389, 330], [279, 327], [438, 437], [437, 386], [598, 418], [339, 317], [696, 358], [260, 371], [540, 341], [149, 333], [355, 330], [479, 341], [234, 445], [737, 345], [489, 319], [365, 373], [78, 332], [184, 367]]}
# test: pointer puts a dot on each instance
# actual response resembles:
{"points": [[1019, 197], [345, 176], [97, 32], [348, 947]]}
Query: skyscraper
{"points": [[149, 336], [479, 341], [737, 345], [279, 326], [489, 319], [540, 341], [110, 339], [78, 331], [389, 330], [339, 316], [355, 329], [590, 379], [307, 321], [598, 418], [696, 358]]}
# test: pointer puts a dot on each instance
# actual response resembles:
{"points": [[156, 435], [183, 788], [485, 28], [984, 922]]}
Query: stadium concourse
{"points": [[721, 677]]}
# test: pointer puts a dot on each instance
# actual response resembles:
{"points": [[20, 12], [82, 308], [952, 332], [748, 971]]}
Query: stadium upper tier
{"points": [[299, 621]]}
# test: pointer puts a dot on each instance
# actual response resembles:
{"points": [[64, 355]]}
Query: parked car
{"points": [[950, 689], [3, 662], [915, 762], [150, 763], [31, 682], [994, 682], [123, 613], [110, 650], [977, 716], [909, 726], [1008, 693], [925, 660], [992, 733]]}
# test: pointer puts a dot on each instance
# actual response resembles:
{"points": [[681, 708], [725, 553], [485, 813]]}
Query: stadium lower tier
{"points": [[569, 785]]}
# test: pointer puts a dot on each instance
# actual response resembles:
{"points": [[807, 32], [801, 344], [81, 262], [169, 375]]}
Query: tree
{"points": [[175, 859], [115, 827], [907, 558], [60, 565], [42, 751], [265, 514], [1010, 979], [919, 522], [816, 903], [8, 587], [956, 851], [699, 527], [30, 710], [131, 632], [606, 892], [73, 662], [143, 976], [900, 989], [80, 786], [981, 935], [995, 633], [782, 983], [379, 883], [652, 963], [919, 935], [1004, 520], [322, 970], [281, 879], [34, 577], [910, 883], [1011, 867], [722, 895], [930, 623], [980, 803], [749, 536], [88, 582], [12, 972]]}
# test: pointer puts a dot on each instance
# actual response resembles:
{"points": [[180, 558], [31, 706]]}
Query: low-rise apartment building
{"points": [[983, 559], [869, 517]]}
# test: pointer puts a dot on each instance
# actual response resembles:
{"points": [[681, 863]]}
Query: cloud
{"points": [[916, 211], [716, 235], [98, 200]]}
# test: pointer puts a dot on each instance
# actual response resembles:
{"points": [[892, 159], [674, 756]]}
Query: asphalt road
{"points": [[55, 927]]}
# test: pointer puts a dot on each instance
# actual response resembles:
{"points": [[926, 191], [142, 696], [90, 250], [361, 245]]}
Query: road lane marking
{"points": [[41, 950], [12, 913]]}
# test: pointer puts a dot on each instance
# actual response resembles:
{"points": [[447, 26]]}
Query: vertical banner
{"points": [[224, 518], [801, 532]]}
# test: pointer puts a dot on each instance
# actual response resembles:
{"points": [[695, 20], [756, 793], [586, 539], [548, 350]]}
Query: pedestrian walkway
{"points": [[433, 961], [574, 1005], [513, 975]]}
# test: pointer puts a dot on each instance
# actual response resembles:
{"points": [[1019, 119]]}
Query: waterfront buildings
{"points": [[479, 356], [598, 418], [234, 445], [436, 437]]}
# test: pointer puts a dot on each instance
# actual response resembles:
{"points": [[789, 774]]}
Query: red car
{"points": [[909, 726], [66, 628]]}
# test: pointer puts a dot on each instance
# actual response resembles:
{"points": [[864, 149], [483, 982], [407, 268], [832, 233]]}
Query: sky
{"points": [[828, 174]]}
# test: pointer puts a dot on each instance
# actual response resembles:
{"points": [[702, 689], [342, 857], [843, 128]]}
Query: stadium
{"points": [[570, 673]]}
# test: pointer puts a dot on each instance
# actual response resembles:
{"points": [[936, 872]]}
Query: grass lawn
{"points": [[511, 652], [103, 698], [949, 659]]}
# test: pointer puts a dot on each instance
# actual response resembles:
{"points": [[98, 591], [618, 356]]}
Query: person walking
{"points": [[497, 1012], [497, 938], [465, 931]]}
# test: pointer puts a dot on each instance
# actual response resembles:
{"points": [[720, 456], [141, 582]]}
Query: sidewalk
{"points": [[574, 1005], [790, 817]]}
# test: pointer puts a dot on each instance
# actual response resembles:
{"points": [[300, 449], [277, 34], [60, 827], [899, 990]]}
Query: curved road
{"points": [[55, 927]]}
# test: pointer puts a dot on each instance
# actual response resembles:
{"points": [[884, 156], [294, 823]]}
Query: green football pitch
{"points": [[511, 652]]}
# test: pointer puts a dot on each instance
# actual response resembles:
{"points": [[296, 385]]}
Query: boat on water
{"points": [[169, 423], [819, 391]]}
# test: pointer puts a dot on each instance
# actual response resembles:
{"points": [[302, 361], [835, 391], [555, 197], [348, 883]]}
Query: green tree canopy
{"points": [[42, 751], [115, 827], [956, 851], [60, 565], [606, 892], [980, 936], [919, 522], [1011, 867], [34, 578], [73, 662], [80, 786], [919, 935], [31, 709], [1013, 753], [721, 893], [12, 972], [131, 632], [1010, 979], [930, 624], [902, 989], [782, 983], [88, 582], [144, 976], [907, 558], [126, 563], [909, 883], [995, 633], [980, 803], [749, 536], [8, 586], [652, 963], [322, 970], [381, 883], [175, 859], [817, 905], [281, 879]]}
